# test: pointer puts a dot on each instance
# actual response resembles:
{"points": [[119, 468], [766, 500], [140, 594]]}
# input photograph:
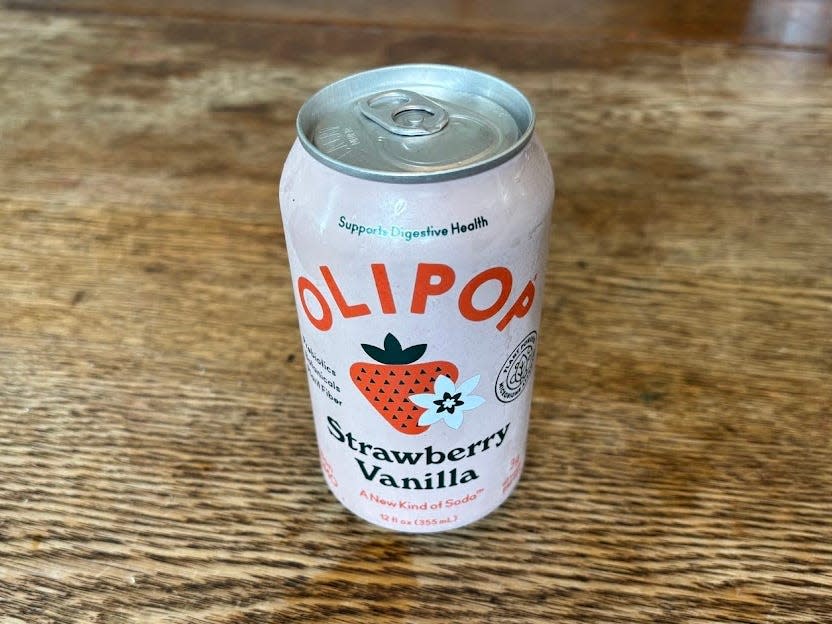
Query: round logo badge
{"points": [[516, 372]]}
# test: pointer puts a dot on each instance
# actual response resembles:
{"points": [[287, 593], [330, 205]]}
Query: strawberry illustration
{"points": [[393, 377]]}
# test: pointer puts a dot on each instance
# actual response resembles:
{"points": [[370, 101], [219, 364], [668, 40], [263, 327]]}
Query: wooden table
{"points": [[158, 461]]}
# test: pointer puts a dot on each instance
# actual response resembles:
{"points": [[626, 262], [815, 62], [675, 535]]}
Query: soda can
{"points": [[416, 204]]}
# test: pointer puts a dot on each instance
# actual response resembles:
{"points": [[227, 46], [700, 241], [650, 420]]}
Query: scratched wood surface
{"points": [[157, 460]]}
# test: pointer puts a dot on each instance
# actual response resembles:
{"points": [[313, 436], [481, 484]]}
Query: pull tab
{"points": [[404, 113]]}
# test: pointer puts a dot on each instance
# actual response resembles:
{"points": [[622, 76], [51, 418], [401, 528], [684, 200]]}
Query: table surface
{"points": [[158, 460]]}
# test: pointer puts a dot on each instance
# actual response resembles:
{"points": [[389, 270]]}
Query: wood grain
{"points": [[158, 462], [805, 24]]}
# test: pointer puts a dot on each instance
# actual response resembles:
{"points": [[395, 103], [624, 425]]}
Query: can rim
{"points": [[524, 117]]}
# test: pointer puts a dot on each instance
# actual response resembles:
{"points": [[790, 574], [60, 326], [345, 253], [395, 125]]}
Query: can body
{"points": [[419, 307]]}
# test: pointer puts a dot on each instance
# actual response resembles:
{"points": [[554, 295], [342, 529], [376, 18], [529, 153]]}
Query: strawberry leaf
{"points": [[411, 354], [392, 344], [392, 353], [377, 354]]}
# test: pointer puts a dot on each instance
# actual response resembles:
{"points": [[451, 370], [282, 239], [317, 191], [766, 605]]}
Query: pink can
{"points": [[416, 205]]}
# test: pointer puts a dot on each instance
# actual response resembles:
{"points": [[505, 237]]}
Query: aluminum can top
{"points": [[415, 123]]}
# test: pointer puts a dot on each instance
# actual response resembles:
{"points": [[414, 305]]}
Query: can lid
{"points": [[415, 123]]}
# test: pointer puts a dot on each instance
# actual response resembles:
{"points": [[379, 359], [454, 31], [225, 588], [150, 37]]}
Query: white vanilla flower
{"points": [[448, 402]]}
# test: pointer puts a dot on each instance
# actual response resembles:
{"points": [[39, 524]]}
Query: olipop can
{"points": [[416, 206]]}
